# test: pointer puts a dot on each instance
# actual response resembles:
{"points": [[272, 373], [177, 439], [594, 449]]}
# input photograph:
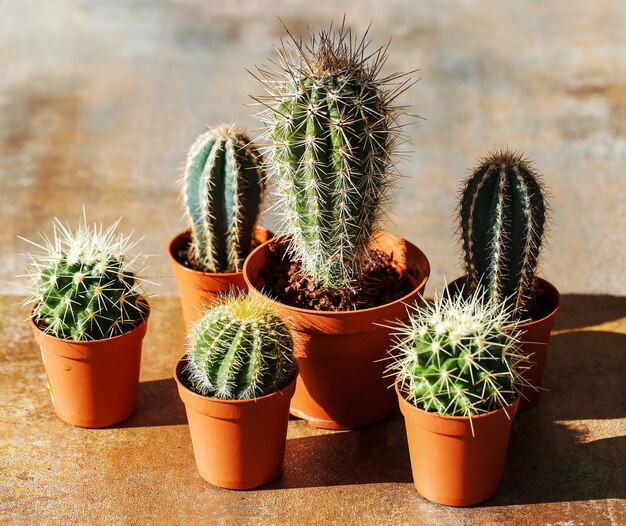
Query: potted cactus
{"points": [[236, 381], [502, 215], [333, 274], [89, 318], [223, 187], [458, 376]]}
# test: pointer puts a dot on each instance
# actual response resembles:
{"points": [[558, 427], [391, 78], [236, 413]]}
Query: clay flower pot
{"points": [[238, 444], [197, 288], [535, 339], [450, 465], [93, 383], [342, 356]]}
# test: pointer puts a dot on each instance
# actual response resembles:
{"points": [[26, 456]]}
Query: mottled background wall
{"points": [[100, 99]]}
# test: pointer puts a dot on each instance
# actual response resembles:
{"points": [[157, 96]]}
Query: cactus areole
{"points": [[332, 131]]}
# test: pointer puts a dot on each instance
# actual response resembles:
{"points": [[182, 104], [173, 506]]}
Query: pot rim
{"points": [[406, 299], [243, 402], [91, 342], [195, 272]]}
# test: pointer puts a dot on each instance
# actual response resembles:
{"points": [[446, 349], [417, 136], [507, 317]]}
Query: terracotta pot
{"points": [[450, 465], [93, 383], [342, 355], [534, 340], [238, 444], [198, 288]]}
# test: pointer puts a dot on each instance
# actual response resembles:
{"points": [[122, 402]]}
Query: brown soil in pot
{"points": [[381, 283]]}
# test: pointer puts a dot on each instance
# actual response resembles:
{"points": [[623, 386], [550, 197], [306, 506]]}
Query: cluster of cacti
{"points": [[502, 214], [82, 284], [332, 129], [240, 349], [223, 190], [458, 356]]}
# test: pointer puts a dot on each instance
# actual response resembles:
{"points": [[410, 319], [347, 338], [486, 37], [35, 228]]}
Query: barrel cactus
{"points": [[458, 355], [83, 285], [240, 349], [332, 130], [223, 191], [502, 215]]}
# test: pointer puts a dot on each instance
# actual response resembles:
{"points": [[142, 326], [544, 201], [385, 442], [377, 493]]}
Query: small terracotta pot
{"points": [[198, 288], [535, 340], [342, 355], [238, 444], [450, 465], [93, 383]]}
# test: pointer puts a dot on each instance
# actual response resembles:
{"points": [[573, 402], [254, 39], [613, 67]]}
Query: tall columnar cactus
{"points": [[502, 215], [223, 190], [332, 128], [458, 356], [83, 285], [240, 349]]}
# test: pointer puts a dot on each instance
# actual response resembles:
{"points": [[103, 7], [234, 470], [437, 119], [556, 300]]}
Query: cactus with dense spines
{"points": [[223, 190], [240, 349], [502, 216], [458, 356], [83, 285], [332, 131]]}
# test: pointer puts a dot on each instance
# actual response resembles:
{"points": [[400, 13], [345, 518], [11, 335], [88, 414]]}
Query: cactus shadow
{"points": [[586, 310], [158, 404]]}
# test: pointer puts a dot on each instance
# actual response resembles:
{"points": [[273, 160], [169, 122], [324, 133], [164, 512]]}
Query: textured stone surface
{"points": [[565, 463], [100, 100]]}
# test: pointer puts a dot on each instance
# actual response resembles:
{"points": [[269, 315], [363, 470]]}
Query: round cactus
{"points": [[82, 285], [502, 215], [332, 131], [240, 349], [223, 190], [458, 356]]}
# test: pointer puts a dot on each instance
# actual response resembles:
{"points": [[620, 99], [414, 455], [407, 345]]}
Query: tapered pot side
{"points": [[342, 355], [535, 339], [237, 444], [450, 465], [197, 288], [93, 383]]}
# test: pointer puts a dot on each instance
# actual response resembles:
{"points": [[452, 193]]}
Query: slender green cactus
{"points": [[240, 349], [332, 132], [223, 190], [502, 215], [458, 356], [83, 285]]}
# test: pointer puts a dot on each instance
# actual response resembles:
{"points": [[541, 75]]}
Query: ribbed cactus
{"points": [[332, 128], [457, 356], [502, 215], [240, 349], [223, 190], [83, 285]]}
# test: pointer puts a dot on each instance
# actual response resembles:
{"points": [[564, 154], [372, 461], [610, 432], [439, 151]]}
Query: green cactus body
{"points": [[332, 130], [82, 287], [240, 349], [458, 356], [502, 215], [223, 190]]}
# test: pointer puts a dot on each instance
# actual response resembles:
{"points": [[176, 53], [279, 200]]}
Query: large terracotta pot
{"points": [[535, 339], [342, 355], [198, 288], [238, 444], [93, 383], [450, 464]]}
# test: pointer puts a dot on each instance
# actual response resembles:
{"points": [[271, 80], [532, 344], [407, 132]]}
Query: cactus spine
{"points": [[502, 215], [240, 349], [332, 128], [458, 356], [83, 285], [223, 190]]}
